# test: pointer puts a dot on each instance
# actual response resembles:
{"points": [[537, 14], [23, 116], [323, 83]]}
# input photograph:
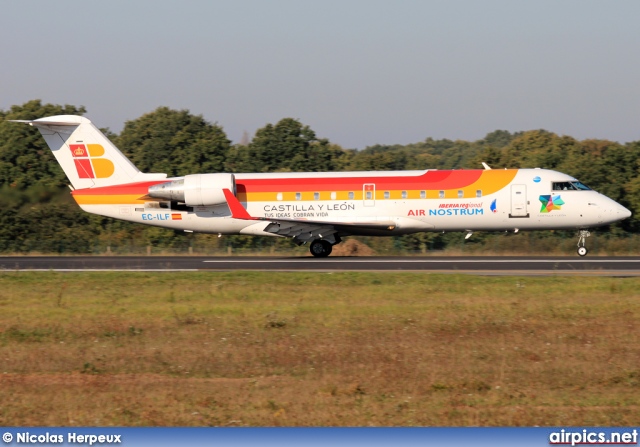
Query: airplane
{"points": [[320, 208]]}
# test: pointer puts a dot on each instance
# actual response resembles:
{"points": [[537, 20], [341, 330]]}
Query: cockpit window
{"points": [[580, 185], [570, 186]]}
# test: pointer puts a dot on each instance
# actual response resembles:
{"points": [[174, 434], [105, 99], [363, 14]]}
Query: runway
{"points": [[486, 265]]}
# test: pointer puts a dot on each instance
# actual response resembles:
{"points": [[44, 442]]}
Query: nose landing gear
{"points": [[582, 239]]}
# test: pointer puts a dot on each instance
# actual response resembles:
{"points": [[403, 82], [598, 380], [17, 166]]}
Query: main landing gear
{"points": [[320, 248], [582, 239]]}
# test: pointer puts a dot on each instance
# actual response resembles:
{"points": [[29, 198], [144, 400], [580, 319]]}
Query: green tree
{"points": [[25, 158], [428, 154], [287, 146], [240, 159], [498, 138], [43, 219], [174, 142], [538, 149], [373, 159]]}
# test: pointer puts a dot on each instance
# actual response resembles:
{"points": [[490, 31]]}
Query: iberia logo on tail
{"points": [[90, 162]]}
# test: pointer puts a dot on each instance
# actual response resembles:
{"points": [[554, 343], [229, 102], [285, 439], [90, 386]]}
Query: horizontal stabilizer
{"points": [[43, 123]]}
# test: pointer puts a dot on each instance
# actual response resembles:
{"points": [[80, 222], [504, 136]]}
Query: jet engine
{"points": [[196, 189]]}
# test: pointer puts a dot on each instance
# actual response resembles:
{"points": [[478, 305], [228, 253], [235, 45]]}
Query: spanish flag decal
{"points": [[176, 217]]}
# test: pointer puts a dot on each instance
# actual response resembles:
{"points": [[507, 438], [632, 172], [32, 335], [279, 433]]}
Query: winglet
{"points": [[237, 210]]}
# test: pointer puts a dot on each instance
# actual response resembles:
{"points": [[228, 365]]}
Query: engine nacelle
{"points": [[196, 189]]}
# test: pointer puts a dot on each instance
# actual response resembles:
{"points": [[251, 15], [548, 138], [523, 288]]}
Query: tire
{"points": [[582, 251], [320, 248]]}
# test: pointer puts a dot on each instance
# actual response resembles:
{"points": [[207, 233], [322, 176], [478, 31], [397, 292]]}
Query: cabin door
{"points": [[519, 201], [369, 194]]}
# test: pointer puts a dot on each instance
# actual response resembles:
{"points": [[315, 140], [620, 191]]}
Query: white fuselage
{"points": [[515, 206]]}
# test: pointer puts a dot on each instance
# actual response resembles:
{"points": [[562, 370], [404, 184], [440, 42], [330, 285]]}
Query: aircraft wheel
{"points": [[320, 248], [582, 251]]}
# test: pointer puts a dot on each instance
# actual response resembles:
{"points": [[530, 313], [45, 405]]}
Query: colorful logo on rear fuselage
{"points": [[90, 162], [493, 207], [550, 203]]}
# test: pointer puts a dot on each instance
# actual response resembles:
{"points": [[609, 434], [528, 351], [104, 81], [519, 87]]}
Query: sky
{"points": [[358, 72]]}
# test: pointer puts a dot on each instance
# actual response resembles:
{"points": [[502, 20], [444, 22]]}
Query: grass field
{"points": [[318, 349]]}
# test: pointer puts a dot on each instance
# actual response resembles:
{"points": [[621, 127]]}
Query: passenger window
{"points": [[404, 194], [441, 194], [298, 196], [316, 196], [350, 195], [479, 193], [423, 194], [279, 196], [460, 194], [369, 195], [333, 195], [386, 194]]}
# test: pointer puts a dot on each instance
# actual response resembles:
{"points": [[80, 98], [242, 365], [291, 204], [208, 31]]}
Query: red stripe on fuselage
{"points": [[433, 180]]}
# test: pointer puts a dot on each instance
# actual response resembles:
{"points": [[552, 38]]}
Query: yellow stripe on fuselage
{"points": [[104, 199]]}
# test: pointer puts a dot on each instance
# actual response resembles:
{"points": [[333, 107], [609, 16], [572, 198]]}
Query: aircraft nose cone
{"points": [[612, 211], [623, 212]]}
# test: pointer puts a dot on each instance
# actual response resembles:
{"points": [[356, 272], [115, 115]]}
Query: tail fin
{"points": [[87, 157]]}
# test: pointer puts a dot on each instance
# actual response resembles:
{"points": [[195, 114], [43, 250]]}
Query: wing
{"points": [[302, 230]]}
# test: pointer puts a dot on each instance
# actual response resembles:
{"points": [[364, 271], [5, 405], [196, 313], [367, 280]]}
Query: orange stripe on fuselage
{"points": [[126, 194], [250, 190]]}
